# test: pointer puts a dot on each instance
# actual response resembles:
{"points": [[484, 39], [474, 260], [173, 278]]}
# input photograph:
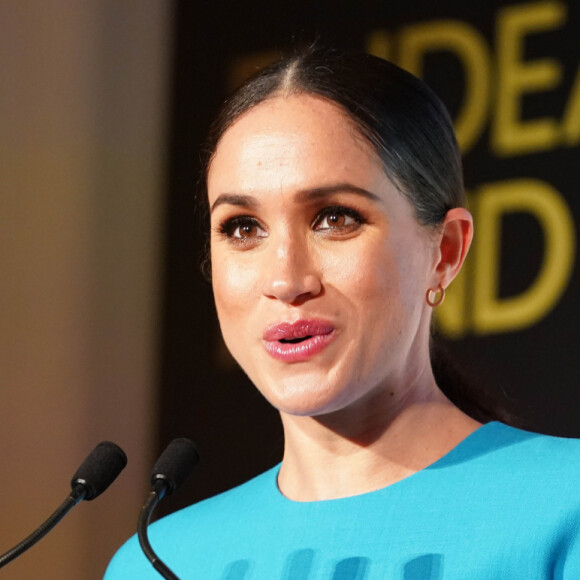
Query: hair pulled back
{"points": [[402, 119]]}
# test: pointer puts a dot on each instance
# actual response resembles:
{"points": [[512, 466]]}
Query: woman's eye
{"points": [[337, 218], [242, 229], [245, 231]]}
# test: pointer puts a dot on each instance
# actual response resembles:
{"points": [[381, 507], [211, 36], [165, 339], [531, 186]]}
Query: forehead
{"points": [[291, 139]]}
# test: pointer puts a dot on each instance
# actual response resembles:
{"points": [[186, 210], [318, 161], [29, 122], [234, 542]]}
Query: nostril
{"points": [[291, 288]]}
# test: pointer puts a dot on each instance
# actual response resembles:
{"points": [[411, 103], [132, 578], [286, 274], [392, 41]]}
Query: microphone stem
{"points": [[75, 496], [150, 504]]}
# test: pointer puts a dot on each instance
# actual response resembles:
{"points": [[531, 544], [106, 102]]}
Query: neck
{"points": [[360, 450]]}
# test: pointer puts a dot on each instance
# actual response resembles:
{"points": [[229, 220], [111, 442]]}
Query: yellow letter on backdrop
{"points": [[511, 135], [540, 199], [469, 45]]}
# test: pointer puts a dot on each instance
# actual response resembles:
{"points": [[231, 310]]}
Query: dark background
{"points": [[204, 395]]}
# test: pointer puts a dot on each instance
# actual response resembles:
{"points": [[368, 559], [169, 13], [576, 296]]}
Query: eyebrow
{"points": [[234, 199], [311, 194]]}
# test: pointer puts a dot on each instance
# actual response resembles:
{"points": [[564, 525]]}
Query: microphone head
{"points": [[99, 469], [175, 464]]}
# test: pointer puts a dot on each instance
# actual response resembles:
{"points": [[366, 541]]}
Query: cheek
{"points": [[379, 290], [365, 273], [233, 287]]}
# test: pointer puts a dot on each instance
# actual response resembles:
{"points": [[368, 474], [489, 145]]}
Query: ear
{"points": [[456, 236]]}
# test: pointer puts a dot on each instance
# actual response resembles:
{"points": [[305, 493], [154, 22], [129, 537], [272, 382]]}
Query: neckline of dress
{"points": [[404, 481]]}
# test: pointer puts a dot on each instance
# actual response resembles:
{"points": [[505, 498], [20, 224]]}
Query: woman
{"points": [[335, 193]]}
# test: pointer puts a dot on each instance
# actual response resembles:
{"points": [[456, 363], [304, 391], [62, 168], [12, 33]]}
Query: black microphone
{"points": [[172, 468], [96, 473]]}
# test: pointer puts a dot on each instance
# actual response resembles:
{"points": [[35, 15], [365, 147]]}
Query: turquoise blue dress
{"points": [[503, 504]]}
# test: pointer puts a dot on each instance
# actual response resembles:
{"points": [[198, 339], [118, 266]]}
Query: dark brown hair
{"points": [[403, 120]]}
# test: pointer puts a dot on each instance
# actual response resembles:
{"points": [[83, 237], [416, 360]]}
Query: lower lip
{"points": [[300, 351]]}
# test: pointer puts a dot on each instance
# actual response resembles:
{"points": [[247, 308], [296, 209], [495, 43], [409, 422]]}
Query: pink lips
{"points": [[298, 341]]}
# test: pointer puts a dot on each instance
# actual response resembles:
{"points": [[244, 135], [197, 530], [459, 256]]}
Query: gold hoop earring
{"points": [[435, 297]]}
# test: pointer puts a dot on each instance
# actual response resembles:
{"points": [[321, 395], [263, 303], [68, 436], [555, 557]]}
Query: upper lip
{"points": [[298, 329]]}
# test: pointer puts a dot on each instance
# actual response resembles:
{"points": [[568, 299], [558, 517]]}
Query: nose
{"points": [[290, 273]]}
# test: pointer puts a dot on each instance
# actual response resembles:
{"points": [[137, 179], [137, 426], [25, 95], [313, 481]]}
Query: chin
{"points": [[303, 397]]}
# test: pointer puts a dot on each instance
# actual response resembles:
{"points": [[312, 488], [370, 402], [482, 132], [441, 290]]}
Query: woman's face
{"points": [[319, 266]]}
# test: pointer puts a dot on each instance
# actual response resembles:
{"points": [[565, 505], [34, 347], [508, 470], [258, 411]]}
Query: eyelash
{"points": [[228, 227], [340, 210]]}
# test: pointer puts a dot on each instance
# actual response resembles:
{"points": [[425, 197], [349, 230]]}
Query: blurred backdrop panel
{"points": [[82, 152], [509, 72]]}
